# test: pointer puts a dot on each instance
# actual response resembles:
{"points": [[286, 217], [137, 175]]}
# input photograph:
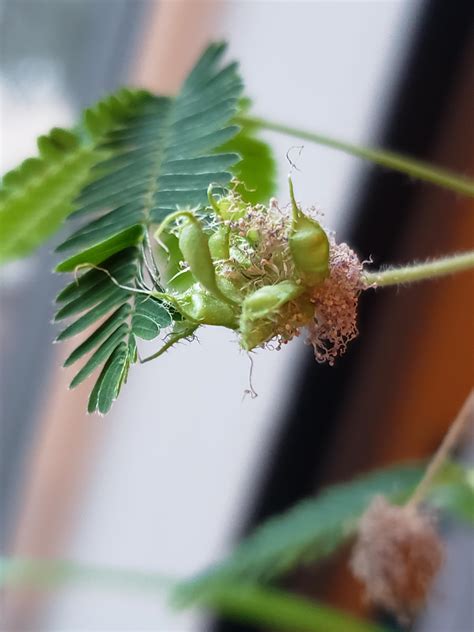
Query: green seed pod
{"points": [[194, 245], [229, 289], [267, 300], [219, 244], [260, 307], [309, 246], [168, 257], [255, 333], [201, 307]]}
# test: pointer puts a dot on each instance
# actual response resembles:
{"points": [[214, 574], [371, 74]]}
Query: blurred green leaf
{"points": [[256, 172], [314, 528]]}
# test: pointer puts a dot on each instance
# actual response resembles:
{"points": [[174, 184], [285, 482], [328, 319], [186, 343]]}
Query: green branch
{"points": [[420, 271], [243, 602], [279, 610], [49, 573], [392, 160]]}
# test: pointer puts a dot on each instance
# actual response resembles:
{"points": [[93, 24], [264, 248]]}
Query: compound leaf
{"points": [[316, 527], [38, 195], [162, 157]]}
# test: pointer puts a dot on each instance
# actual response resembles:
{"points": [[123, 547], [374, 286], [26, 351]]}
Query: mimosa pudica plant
{"points": [[176, 228]]}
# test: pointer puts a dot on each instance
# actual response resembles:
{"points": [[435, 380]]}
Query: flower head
{"points": [[397, 556], [334, 322], [277, 269]]}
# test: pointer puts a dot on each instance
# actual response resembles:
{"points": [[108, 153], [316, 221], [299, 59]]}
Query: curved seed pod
{"points": [[201, 307], [258, 309], [219, 244], [309, 246], [168, 258], [267, 300], [255, 333], [194, 245], [229, 289]]}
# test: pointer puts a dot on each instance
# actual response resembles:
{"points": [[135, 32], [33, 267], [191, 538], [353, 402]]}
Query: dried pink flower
{"points": [[397, 556], [335, 304]]}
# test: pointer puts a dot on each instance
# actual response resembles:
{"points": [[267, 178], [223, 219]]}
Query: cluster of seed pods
{"points": [[255, 270]]}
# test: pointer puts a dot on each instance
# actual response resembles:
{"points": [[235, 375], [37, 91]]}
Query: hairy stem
{"points": [[392, 160], [420, 271], [450, 440], [173, 339]]}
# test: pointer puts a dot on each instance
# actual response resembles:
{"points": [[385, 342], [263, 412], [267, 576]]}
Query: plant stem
{"points": [[50, 573], [392, 160], [255, 604], [173, 339], [455, 431], [278, 610], [420, 271]]}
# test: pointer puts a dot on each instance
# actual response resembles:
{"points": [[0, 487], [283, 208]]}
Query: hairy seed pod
{"points": [[219, 244], [194, 245], [260, 306], [309, 246], [201, 307], [254, 333], [229, 289], [169, 258], [268, 299]]}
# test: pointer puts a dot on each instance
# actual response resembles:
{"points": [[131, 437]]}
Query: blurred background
{"points": [[185, 463]]}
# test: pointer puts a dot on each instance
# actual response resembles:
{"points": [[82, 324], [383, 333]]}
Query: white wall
{"points": [[183, 447]]}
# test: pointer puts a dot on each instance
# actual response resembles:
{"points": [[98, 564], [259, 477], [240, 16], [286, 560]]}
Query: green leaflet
{"points": [[96, 254], [101, 290], [101, 333], [93, 295], [149, 317], [107, 387], [101, 354], [316, 527], [37, 196], [162, 157]]}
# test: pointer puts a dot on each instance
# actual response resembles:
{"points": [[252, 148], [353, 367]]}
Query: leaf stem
{"points": [[173, 339], [390, 159], [420, 271]]}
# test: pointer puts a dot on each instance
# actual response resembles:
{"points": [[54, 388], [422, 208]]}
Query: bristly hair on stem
{"points": [[419, 271]]}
